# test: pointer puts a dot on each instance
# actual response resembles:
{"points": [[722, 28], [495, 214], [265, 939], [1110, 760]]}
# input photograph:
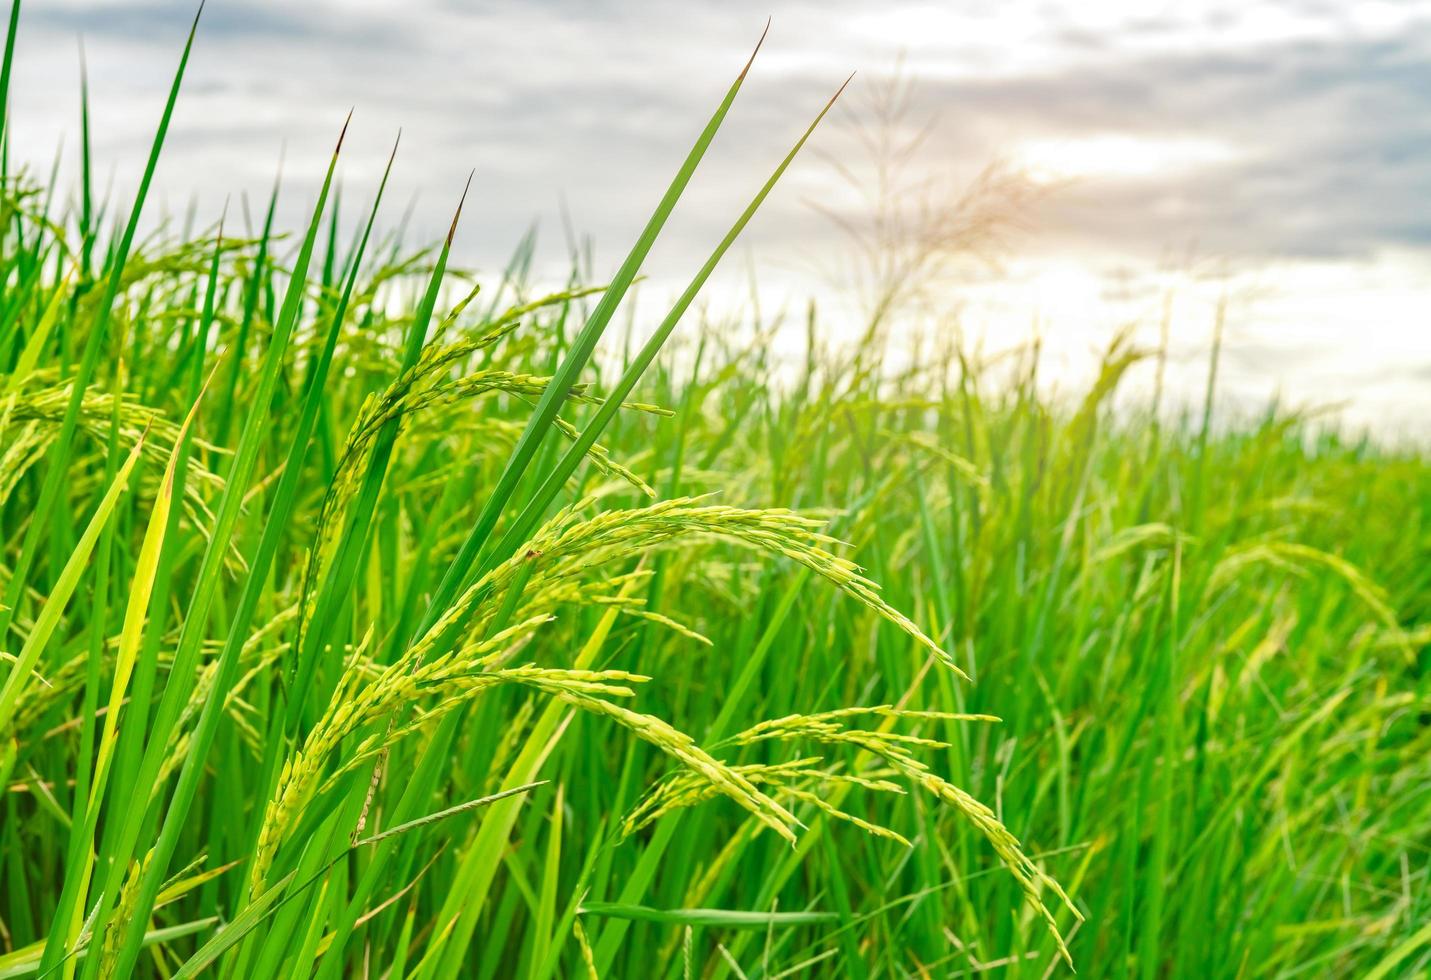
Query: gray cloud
{"points": [[152, 22], [1326, 116], [1330, 134]]}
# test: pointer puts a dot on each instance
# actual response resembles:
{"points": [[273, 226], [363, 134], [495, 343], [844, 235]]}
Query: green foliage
{"points": [[353, 629]]}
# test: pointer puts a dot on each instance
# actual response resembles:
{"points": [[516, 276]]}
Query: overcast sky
{"points": [[1278, 153]]}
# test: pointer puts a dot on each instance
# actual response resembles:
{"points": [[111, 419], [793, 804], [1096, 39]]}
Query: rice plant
{"points": [[359, 623]]}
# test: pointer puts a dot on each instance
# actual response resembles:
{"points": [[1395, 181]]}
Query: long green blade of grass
{"points": [[461, 569], [22, 674]]}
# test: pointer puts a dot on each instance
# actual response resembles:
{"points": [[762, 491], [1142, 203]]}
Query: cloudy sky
{"points": [[1275, 153]]}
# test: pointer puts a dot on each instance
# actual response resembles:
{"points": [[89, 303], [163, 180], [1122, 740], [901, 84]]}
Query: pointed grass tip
{"points": [[392, 156], [751, 60], [343, 133], [453, 230]]}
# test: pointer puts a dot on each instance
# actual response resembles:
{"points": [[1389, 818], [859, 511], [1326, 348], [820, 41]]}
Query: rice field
{"points": [[361, 622]]}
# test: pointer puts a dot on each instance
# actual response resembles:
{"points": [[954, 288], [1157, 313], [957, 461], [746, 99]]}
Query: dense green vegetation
{"points": [[358, 622]]}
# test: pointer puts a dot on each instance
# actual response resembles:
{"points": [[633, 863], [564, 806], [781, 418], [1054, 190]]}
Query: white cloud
{"points": [[1120, 155]]}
